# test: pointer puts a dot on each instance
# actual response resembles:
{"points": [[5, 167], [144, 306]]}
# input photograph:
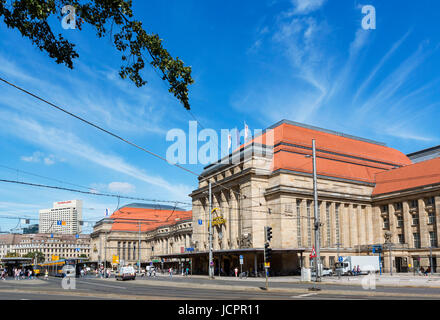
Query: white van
{"points": [[125, 273]]}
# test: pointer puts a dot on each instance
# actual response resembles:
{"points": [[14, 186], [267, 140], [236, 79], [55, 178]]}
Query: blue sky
{"points": [[254, 61]]}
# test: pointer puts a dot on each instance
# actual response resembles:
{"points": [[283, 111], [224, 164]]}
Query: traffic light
{"points": [[268, 233], [267, 252]]}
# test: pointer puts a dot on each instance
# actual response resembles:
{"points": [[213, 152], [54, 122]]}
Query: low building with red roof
{"points": [[141, 232]]}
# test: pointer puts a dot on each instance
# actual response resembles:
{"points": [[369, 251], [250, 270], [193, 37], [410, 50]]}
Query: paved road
{"points": [[205, 289]]}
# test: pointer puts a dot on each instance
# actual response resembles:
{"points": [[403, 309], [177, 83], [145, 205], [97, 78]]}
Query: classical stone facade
{"points": [[62, 246], [272, 185], [150, 234]]}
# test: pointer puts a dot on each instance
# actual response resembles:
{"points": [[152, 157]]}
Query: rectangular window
{"points": [[430, 201], [385, 209], [401, 238], [416, 237], [309, 225], [398, 206], [338, 240], [327, 214], [128, 251], [399, 221], [415, 219], [433, 238], [298, 222], [431, 217], [386, 222], [414, 204], [134, 251]]}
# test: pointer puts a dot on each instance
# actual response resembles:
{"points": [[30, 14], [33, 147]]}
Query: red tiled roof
{"points": [[337, 155], [416, 175], [126, 218]]}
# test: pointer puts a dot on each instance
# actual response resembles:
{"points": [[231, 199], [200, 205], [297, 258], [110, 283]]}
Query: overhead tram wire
{"points": [[90, 193], [118, 196], [40, 176], [114, 135]]}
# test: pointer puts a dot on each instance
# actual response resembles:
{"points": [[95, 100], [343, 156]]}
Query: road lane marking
{"points": [[305, 295], [102, 285]]}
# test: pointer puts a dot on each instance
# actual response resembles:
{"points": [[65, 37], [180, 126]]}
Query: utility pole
{"points": [[139, 247], [105, 254], [316, 214], [211, 274], [339, 271]]}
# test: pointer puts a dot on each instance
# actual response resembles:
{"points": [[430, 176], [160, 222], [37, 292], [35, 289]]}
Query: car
{"points": [[327, 272], [126, 273], [324, 272]]}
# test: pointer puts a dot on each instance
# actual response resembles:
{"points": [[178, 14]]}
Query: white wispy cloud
{"points": [[121, 187], [38, 156], [302, 7], [388, 87], [379, 66], [67, 143]]}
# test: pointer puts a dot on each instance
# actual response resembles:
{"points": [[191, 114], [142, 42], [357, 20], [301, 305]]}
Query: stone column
{"points": [[304, 230], [344, 226], [407, 224], [352, 211], [393, 222], [423, 225], [362, 224], [324, 222], [369, 224], [377, 225], [333, 239], [437, 220]]}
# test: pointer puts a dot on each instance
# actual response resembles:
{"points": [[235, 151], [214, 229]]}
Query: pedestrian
{"points": [[46, 275], [428, 270], [236, 272], [82, 273], [108, 273], [170, 270], [3, 274], [358, 270], [422, 270], [187, 271]]}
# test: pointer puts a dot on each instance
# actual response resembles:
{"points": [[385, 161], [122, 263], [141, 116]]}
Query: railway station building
{"points": [[368, 195]]}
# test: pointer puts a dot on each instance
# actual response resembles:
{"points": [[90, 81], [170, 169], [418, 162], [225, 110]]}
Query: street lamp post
{"points": [[316, 214], [211, 275], [139, 248]]}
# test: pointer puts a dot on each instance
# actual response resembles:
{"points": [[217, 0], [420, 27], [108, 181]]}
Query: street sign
{"points": [[267, 264], [241, 259], [200, 222], [313, 253], [340, 259], [212, 263], [189, 249]]}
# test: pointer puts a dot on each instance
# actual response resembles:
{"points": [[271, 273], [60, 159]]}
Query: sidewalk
{"points": [[395, 280]]}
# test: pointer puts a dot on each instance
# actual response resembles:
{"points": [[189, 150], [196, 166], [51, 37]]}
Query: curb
{"points": [[280, 290]]}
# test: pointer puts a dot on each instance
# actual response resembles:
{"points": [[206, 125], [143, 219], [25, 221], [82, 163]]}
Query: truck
{"points": [[367, 264]]}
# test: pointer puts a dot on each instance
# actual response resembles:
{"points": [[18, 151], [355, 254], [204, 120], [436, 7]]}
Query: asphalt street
{"points": [[181, 288]]}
